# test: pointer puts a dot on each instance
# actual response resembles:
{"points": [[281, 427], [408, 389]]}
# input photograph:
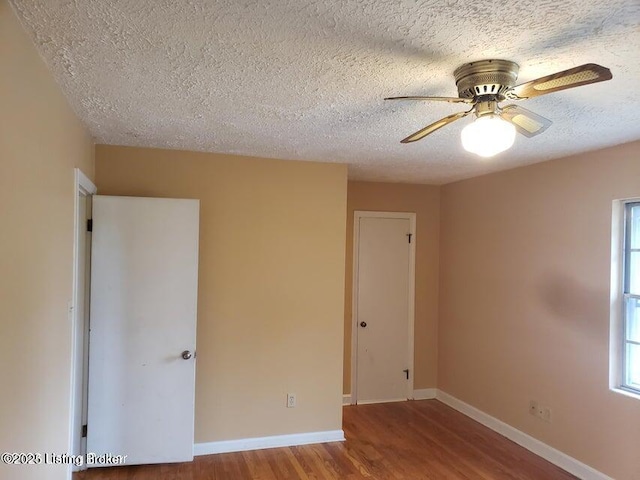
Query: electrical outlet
{"points": [[539, 411], [546, 414], [291, 400]]}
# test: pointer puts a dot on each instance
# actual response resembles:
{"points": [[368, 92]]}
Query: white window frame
{"points": [[619, 286]]}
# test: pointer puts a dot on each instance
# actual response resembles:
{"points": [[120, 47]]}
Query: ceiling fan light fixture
{"points": [[487, 83], [488, 135]]}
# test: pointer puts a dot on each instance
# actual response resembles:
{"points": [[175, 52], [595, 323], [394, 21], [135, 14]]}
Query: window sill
{"points": [[626, 393]]}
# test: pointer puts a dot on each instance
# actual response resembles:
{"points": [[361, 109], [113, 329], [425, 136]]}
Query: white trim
{"points": [[616, 318], [346, 399], [357, 215], [541, 449], [626, 393], [385, 400], [354, 311], [275, 441], [412, 301], [81, 185], [425, 393]]}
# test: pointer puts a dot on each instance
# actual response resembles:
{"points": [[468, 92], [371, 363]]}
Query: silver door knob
{"points": [[186, 354]]}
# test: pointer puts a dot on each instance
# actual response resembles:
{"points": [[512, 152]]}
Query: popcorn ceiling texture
{"points": [[305, 79]]}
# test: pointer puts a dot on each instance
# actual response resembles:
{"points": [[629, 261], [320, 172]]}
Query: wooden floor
{"points": [[406, 440]]}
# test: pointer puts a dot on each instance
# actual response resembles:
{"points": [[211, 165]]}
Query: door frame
{"points": [[83, 186], [357, 215]]}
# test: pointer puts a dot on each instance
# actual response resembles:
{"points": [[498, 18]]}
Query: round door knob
{"points": [[186, 354], [363, 324]]}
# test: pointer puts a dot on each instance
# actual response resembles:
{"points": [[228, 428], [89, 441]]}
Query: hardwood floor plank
{"points": [[259, 468], [417, 440]]}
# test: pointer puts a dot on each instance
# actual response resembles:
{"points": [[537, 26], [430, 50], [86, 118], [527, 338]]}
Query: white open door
{"points": [[383, 307], [143, 317]]}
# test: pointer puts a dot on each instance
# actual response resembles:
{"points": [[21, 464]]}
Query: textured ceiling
{"points": [[305, 79]]}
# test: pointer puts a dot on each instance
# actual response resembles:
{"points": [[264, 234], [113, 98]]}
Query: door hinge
{"points": [[84, 431], [90, 225], [409, 235], [406, 372]]}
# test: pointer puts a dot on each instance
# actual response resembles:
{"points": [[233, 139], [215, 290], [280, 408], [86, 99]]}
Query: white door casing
{"points": [[383, 298], [143, 316], [84, 189]]}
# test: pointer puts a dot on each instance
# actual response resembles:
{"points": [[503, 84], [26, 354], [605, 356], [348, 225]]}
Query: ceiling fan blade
{"points": [[434, 99], [420, 134], [526, 122], [574, 77]]}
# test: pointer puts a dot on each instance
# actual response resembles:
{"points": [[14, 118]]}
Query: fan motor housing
{"points": [[486, 77]]}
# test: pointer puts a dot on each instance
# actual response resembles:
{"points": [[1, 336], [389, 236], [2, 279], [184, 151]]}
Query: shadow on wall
{"points": [[566, 298]]}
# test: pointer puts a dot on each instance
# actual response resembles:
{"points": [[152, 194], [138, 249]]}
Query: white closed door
{"points": [[382, 295], [144, 281]]}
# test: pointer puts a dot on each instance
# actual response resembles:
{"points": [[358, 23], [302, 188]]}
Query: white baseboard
{"points": [[420, 394], [268, 442], [386, 400], [425, 394], [562, 460]]}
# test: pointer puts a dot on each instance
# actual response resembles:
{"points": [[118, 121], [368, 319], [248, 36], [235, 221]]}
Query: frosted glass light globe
{"points": [[488, 135]]}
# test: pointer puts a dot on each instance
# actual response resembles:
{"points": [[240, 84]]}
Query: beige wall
{"points": [[271, 283], [424, 200], [524, 302], [40, 142]]}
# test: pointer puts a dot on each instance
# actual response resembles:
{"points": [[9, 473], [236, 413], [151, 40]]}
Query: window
{"points": [[631, 298]]}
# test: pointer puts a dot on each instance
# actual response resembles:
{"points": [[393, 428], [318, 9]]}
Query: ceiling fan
{"points": [[486, 83]]}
